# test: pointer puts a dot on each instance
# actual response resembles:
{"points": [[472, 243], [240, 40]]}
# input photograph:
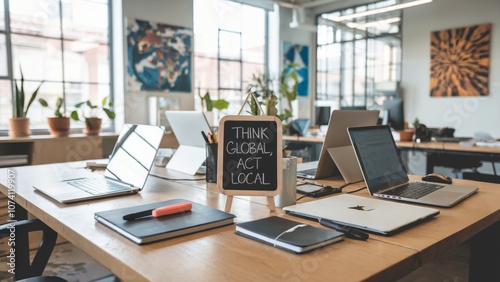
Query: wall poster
{"points": [[158, 56], [296, 58], [460, 61]]}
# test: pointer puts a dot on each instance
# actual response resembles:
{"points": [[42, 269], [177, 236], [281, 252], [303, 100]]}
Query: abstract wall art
{"points": [[158, 57], [460, 61], [296, 58]]}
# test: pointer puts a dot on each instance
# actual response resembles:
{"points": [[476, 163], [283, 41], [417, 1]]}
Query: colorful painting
{"points": [[159, 57], [296, 58], [460, 61]]}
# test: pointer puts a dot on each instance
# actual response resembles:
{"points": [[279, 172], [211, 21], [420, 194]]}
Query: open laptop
{"points": [[126, 172], [373, 215], [187, 127], [337, 141], [385, 175]]}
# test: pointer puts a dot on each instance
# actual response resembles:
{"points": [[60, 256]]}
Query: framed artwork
{"points": [[296, 58], [460, 61], [159, 57]]}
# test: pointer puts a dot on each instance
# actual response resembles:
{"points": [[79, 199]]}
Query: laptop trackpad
{"points": [[444, 196]]}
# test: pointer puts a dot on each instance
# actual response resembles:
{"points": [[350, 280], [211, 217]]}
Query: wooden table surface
{"points": [[447, 146], [221, 255]]}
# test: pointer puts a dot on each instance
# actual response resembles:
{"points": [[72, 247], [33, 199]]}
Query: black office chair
{"points": [[26, 271]]}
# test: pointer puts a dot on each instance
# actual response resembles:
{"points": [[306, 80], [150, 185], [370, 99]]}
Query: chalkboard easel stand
{"points": [[273, 126], [229, 203]]}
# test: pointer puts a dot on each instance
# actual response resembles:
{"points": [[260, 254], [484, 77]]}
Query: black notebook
{"points": [[287, 234], [151, 229]]}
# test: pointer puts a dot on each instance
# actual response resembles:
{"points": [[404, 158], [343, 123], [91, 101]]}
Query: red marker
{"points": [[166, 210]]}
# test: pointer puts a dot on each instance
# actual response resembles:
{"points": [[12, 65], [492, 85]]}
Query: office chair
{"points": [[24, 271]]}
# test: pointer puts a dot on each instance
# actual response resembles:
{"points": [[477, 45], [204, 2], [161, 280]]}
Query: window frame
{"points": [[369, 96], [217, 93], [64, 83]]}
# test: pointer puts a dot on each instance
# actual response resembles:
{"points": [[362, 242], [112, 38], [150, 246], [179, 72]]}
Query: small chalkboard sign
{"points": [[250, 157]]}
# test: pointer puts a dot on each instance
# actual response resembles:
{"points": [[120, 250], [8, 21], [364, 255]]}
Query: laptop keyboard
{"points": [[414, 190], [311, 171], [97, 186]]}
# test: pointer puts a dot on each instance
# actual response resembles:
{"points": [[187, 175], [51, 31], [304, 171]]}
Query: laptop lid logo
{"points": [[360, 208]]}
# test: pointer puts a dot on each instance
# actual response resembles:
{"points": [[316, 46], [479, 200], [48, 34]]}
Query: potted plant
{"points": [[20, 123], [59, 124], [287, 89], [89, 113], [207, 104]]}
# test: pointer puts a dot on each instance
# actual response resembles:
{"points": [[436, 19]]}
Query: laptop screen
{"points": [[134, 153], [187, 127], [378, 158]]}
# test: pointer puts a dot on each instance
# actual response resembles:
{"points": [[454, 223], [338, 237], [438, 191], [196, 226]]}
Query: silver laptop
{"points": [[385, 175], [337, 141], [188, 127], [126, 172], [378, 216]]}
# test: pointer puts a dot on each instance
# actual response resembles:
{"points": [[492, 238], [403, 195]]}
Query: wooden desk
{"points": [[439, 151], [314, 143], [219, 254], [448, 146], [216, 254], [310, 139]]}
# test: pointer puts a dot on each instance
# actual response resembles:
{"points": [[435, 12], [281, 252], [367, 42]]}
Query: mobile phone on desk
{"points": [[316, 190]]}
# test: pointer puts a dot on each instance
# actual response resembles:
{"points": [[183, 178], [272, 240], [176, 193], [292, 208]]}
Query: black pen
{"points": [[205, 137], [348, 231]]}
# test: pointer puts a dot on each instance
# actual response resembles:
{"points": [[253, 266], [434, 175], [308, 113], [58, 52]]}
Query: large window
{"points": [[358, 60], [64, 43], [230, 46]]}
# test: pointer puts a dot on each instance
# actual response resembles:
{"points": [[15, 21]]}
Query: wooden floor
{"points": [[70, 263]]}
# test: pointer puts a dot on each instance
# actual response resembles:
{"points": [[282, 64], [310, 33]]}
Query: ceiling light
{"points": [[382, 10], [375, 23]]}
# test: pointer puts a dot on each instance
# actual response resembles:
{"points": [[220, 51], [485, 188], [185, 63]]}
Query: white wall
{"points": [[466, 115], [175, 12]]}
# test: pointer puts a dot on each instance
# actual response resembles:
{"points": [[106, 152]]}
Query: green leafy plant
{"points": [[260, 85], [209, 104], [288, 87], [56, 109], [19, 111], [85, 110]]}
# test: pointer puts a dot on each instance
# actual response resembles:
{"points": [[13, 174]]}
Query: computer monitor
{"points": [[323, 115], [395, 114], [299, 126]]}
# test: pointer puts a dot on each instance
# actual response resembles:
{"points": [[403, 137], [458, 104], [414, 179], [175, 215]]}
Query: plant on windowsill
{"points": [[19, 124], [59, 124], [89, 113]]}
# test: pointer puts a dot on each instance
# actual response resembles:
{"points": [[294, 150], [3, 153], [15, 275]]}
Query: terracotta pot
{"points": [[93, 127], [59, 126], [406, 135], [19, 127]]}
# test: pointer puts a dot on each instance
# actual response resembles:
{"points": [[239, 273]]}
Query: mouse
{"points": [[437, 177]]}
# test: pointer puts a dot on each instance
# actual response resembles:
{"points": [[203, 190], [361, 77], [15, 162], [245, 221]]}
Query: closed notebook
{"points": [[287, 234], [151, 229]]}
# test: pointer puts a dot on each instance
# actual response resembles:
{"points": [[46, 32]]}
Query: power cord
{"points": [[178, 179], [357, 190], [328, 190]]}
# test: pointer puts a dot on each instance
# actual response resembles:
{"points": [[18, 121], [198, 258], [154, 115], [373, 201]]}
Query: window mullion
{"points": [[62, 54]]}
